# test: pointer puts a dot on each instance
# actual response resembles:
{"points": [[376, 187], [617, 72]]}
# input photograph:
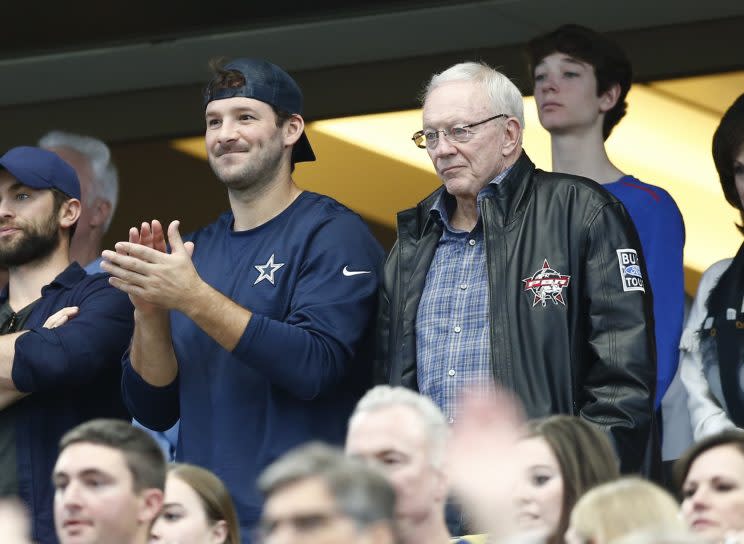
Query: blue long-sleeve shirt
{"points": [[310, 277], [662, 232], [72, 373]]}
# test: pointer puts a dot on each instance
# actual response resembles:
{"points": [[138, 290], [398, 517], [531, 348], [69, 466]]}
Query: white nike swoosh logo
{"points": [[347, 272]]}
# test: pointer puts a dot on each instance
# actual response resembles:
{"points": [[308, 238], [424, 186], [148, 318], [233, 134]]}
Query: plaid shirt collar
{"points": [[444, 205]]}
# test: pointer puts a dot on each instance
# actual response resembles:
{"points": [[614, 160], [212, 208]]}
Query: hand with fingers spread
{"points": [[481, 460], [153, 278], [61, 317]]}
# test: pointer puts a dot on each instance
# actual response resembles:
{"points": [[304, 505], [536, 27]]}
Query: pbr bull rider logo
{"points": [[630, 270], [546, 284]]}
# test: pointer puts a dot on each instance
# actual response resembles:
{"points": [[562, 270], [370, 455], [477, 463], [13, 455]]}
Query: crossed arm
{"points": [[157, 282], [9, 394]]}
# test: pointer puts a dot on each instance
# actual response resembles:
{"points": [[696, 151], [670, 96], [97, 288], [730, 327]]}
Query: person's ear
{"points": [[218, 533], [293, 128], [69, 213], [100, 212], [512, 136], [609, 98], [442, 485], [151, 502]]}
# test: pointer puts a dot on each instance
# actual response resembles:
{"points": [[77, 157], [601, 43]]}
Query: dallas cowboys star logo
{"points": [[263, 274]]}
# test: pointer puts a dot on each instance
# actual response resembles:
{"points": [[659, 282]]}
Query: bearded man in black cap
{"points": [[254, 330], [62, 332]]}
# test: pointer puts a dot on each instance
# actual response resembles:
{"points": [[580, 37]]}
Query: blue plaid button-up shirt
{"points": [[452, 332]]}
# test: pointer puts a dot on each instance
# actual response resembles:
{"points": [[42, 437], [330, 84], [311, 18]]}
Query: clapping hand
{"points": [[153, 278]]}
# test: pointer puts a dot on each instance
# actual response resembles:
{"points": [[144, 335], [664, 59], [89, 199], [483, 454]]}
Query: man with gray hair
{"points": [[508, 273], [316, 495], [99, 185], [406, 433]]}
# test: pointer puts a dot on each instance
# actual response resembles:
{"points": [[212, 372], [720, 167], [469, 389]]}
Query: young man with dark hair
{"points": [[109, 480], [254, 330], [581, 80], [62, 332]]}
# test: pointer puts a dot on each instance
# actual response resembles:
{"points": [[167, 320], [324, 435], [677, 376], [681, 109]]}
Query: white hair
{"points": [[432, 418], [105, 175], [504, 95]]}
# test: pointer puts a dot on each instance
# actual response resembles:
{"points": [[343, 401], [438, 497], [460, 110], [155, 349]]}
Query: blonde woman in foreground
{"points": [[616, 509]]}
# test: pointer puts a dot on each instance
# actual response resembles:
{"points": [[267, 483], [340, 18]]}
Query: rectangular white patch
{"points": [[630, 270]]}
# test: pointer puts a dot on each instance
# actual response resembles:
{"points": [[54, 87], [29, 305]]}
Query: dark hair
{"points": [[59, 199], [361, 491], [143, 456], [234, 79], [727, 142], [682, 466], [213, 496], [611, 64], [221, 78], [585, 457]]}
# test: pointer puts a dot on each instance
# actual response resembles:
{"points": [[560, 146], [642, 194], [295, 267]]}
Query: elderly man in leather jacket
{"points": [[508, 273]]}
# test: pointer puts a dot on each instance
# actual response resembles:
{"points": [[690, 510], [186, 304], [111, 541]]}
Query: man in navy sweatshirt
{"points": [[254, 330]]}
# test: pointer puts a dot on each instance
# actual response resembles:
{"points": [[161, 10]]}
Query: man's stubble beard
{"points": [[254, 175], [35, 243]]}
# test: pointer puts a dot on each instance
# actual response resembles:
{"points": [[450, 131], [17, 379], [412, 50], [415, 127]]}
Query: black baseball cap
{"points": [[268, 83], [41, 169]]}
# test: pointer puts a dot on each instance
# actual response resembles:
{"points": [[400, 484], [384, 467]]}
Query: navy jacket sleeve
{"points": [[155, 407], [74, 354], [619, 384], [332, 312]]}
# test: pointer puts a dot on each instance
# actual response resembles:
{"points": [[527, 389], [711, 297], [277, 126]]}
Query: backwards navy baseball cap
{"points": [[41, 169], [268, 83]]}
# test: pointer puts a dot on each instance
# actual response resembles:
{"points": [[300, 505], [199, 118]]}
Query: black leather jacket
{"points": [[568, 338]]}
